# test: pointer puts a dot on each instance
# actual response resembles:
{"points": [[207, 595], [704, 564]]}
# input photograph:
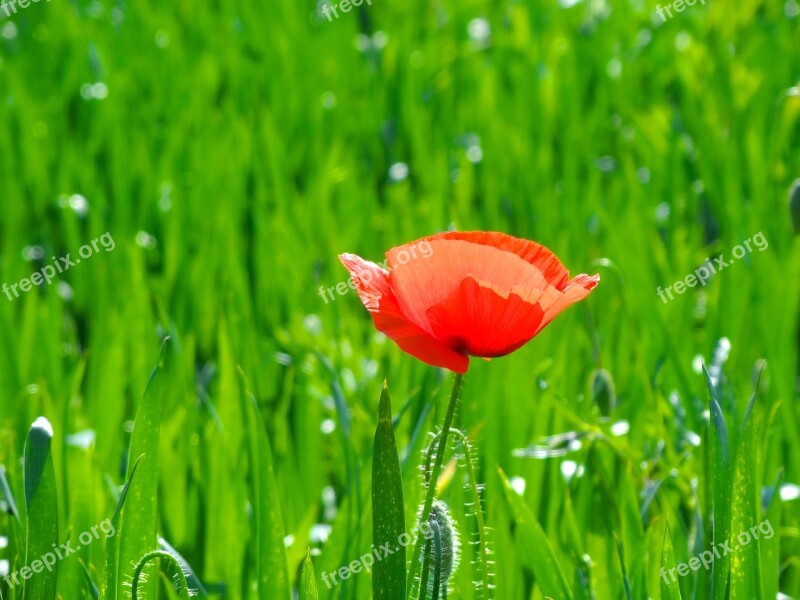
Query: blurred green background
{"points": [[232, 149]]}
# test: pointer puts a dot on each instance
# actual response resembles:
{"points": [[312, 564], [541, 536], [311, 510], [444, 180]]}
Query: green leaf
{"points": [[388, 514], [745, 574], [272, 571], [42, 511], [139, 519], [670, 590], [536, 551], [5, 493], [90, 584], [771, 543], [721, 483], [112, 547], [308, 581]]}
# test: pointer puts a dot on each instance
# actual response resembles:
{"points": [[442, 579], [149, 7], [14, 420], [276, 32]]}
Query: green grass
{"points": [[242, 146]]}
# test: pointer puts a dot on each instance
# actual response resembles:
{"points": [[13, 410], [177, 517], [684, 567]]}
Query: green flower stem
{"points": [[437, 467]]}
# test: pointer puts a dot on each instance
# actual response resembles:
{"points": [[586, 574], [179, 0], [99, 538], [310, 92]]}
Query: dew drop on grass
{"points": [[682, 41], [614, 68], [789, 492], [82, 439], [145, 240], [518, 483], [620, 428], [9, 31], [31, 253], [398, 172], [662, 213], [162, 39], [479, 32], [474, 154], [319, 533], [79, 204], [328, 100]]}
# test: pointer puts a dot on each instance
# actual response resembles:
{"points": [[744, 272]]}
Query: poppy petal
{"points": [[478, 320], [535, 254], [577, 289], [424, 283], [372, 283]]}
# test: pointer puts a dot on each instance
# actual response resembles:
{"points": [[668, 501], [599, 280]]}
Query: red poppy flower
{"points": [[458, 294]]}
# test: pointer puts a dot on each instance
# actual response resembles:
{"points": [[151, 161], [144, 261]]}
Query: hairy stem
{"points": [[437, 467], [137, 573]]}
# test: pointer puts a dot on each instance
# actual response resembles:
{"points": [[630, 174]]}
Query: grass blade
{"points": [[722, 480], [308, 581], [670, 590], [536, 551], [139, 520], [112, 547], [388, 515], [42, 513], [272, 574]]}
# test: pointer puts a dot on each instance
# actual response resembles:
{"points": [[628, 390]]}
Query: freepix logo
{"points": [[707, 269], [421, 250], [60, 552], [46, 274], [5, 4]]}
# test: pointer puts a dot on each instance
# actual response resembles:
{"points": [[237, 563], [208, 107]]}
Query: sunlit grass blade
{"points": [[670, 590], [5, 493], [536, 551], [271, 568], [92, 588], [770, 546], [721, 473], [112, 546], [139, 518], [388, 514], [745, 577], [42, 511], [308, 581]]}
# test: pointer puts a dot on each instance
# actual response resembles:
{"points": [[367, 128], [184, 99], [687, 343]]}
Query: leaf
{"points": [[93, 591], [388, 514], [139, 519], [536, 550], [771, 543], [745, 575], [5, 493], [670, 590], [308, 581], [272, 570], [112, 547], [42, 512], [721, 470]]}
